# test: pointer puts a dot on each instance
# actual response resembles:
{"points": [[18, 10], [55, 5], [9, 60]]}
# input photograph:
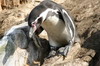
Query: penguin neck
{"points": [[51, 23]]}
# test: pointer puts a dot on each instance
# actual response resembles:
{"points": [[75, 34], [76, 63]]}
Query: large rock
{"points": [[17, 49], [9, 51]]}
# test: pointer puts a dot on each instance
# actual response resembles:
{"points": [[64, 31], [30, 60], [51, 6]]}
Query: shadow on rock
{"points": [[9, 49], [92, 42], [37, 54]]}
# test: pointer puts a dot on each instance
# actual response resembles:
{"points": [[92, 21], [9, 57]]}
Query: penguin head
{"points": [[36, 17], [36, 23]]}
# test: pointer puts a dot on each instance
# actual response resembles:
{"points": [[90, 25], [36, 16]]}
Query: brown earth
{"points": [[86, 14]]}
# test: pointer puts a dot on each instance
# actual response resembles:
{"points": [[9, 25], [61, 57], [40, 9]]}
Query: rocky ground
{"points": [[86, 14]]}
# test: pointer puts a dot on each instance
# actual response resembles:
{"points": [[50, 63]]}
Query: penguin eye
{"points": [[40, 20]]}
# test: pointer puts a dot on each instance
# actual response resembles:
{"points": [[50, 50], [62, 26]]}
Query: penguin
{"points": [[57, 22]]}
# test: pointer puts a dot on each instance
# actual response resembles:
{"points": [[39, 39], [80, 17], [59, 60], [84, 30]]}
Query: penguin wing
{"points": [[69, 23]]}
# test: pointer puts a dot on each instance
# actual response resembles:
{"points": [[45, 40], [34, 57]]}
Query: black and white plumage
{"points": [[56, 21]]}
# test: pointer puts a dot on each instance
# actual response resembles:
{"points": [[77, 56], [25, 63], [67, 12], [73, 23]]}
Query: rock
{"points": [[5, 4], [13, 17], [18, 36], [60, 60], [98, 62], [10, 45], [59, 1], [76, 62], [0, 6], [18, 49]]}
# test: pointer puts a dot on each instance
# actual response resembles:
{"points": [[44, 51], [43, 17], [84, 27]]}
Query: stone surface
{"points": [[59, 1], [6, 4], [17, 49], [11, 44], [60, 60]]}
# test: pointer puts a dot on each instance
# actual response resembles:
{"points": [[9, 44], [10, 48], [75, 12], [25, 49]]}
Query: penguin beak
{"points": [[33, 29]]}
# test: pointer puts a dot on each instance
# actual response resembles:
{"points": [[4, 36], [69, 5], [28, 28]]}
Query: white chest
{"points": [[56, 31], [53, 23]]}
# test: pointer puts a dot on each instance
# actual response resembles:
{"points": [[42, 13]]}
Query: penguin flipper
{"points": [[70, 26]]}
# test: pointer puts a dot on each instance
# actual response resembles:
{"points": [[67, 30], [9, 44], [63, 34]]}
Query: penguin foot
{"points": [[66, 50], [63, 51], [60, 51], [52, 54]]}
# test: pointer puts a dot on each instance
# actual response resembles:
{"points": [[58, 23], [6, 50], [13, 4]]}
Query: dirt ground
{"points": [[86, 14], [87, 18]]}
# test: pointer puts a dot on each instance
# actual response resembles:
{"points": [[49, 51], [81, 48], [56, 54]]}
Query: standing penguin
{"points": [[58, 24]]}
